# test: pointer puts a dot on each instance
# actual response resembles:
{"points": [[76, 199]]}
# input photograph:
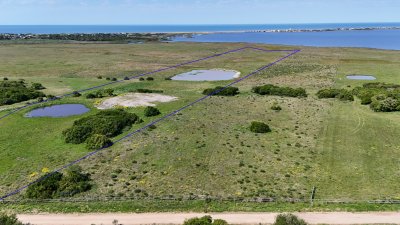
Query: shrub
{"points": [[140, 90], [16, 91], [108, 122], [381, 103], [40, 99], [341, 94], [288, 219], [149, 78], [37, 86], [270, 89], [5, 78], [76, 94], [126, 78], [9, 220], [276, 107], [46, 188], [101, 93], [107, 78], [228, 91], [74, 182], [59, 185], [141, 79], [205, 220], [114, 79], [90, 96], [99, 77], [97, 141], [151, 111], [259, 127]]}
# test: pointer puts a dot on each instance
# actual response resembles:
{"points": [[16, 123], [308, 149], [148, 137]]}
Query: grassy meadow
{"points": [[344, 149]]}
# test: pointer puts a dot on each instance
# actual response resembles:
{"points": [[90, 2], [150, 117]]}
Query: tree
{"points": [[259, 127], [221, 91], [151, 111]]}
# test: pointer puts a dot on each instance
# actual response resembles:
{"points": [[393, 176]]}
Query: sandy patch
{"points": [[135, 100]]}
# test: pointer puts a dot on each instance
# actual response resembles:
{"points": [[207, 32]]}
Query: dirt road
{"points": [[233, 218]]}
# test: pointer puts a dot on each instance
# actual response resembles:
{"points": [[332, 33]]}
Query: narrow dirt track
{"points": [[332, 218]]}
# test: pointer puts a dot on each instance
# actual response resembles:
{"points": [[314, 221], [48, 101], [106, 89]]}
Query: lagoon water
{"points": [[381, 39], [206, 75], [63, 110]]}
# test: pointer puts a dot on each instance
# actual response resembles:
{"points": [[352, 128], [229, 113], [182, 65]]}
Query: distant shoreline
{"points": [[288, 30]]}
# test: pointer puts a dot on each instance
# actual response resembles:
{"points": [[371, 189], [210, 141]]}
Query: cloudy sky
{"points": [[196, 11]]}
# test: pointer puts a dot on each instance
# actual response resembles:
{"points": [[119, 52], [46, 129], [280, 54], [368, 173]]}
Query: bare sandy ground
{"points": [[134, 100], [332, 218]]}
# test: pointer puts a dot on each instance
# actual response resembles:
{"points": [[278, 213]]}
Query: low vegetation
{"points": [[288, 219], [98, 141], [270, 89], [9, 220], [221, 91], [108, 123], [17, 91], [259, 127], [205, 220], [150, 111], [101, 93], [56, 185], [381, 97], [144, 90], [341, 94]]}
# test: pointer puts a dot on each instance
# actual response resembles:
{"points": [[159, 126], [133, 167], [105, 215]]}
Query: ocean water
{"points": [[381, 39], [56, 29]]}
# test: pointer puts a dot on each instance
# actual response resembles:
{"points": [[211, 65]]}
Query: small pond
{"points": [[63, 110], [360, 77], [207, 75]]}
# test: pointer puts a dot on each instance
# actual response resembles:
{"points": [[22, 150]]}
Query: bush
{"points": [[9, 220], [126, 78], [151, 111], [98, 141], [288, 219], [16, 91], [59, 185], [46, 188], [259, 127], [276, 107], [99, 77], [5, 78], [76, 94], [149, 78], [140, 90], [37, 86], [205, 220], [381, 103], [108, 122], [270, 89], [141, 79], [228, 91], [114, 79], [341, 94], [101, 93]]}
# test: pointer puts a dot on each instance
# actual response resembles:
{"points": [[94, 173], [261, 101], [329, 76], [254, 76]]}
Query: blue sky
{"points": [[196, 11]]}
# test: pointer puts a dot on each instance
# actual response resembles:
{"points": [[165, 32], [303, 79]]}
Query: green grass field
{"points": [[345, 150]]}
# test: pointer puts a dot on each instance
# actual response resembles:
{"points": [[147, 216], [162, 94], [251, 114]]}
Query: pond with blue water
{"points": [[56, 111]]}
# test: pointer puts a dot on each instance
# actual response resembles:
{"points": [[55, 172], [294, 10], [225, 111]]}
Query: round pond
{"points": [[207, 75], [63, 110]]}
